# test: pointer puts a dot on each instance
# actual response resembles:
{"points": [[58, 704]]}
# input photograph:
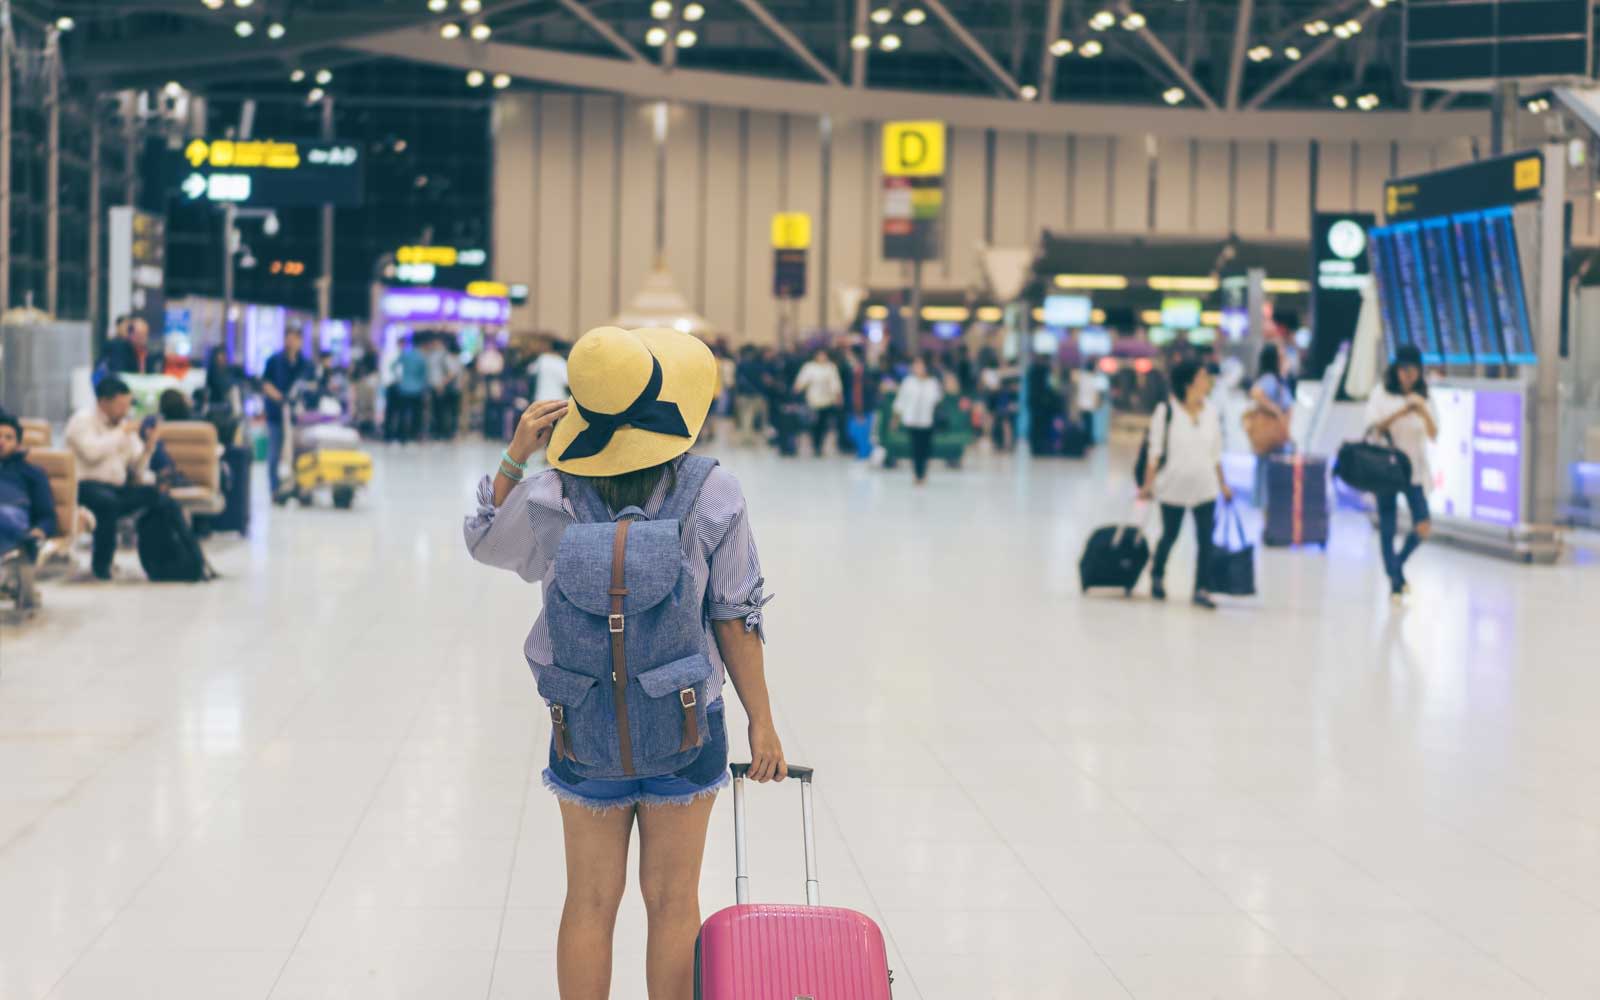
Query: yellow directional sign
{"points": [[245, 153], [913, 149], [1528, 174], [791, 231]]}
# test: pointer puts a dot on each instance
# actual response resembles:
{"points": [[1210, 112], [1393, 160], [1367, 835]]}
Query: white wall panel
{"points": [[1050, 182], [1130, 184], [1334, 173], [1252, 189], [1372, 169], [964, 206], [761, 201], [1449, 154], [1415, 158], [1291, 188], [636, 254], [1213, 193], [851, 203], [597, 208], [514, 195], [722, 263], [1015, 223], [1091, 190], [556, 307], [684, 210], [1172, 186], [805, 195]]}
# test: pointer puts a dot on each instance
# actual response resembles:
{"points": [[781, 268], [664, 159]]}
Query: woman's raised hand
{"points": [[534, 427]]}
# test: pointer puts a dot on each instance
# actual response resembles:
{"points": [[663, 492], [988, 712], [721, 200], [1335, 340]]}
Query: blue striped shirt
{"points": [[524, 533]]}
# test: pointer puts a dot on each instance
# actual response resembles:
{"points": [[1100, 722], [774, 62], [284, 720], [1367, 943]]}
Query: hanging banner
{"points": [[913, 189], [791, 238]]}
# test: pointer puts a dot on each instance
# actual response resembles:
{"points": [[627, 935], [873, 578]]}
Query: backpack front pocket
{"points": [[678, 690], [566, 692]]}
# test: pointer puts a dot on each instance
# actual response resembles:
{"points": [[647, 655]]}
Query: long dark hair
{"points": [[1270, 362], [1407, 356], [634, 489]]}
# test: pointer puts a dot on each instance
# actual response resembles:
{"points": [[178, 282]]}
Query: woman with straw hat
{"points": [[618, 453]]}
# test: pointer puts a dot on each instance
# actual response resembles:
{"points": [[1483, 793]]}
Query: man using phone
{"points": [[111, 452]]}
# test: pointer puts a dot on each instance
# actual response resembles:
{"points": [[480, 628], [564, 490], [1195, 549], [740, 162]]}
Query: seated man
{"points": [[130, 352], [27, 509], [112, 453]]}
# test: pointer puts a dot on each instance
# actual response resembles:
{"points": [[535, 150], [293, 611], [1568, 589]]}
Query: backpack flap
{"points": [[653, 563], [566, 691], [683, 681]]}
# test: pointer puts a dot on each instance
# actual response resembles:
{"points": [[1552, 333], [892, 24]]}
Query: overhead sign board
{"points": [[913, 189], [1472, 43], [267, 173], [442, 305], [791, 231], [1341, 269], [1504, 180]]}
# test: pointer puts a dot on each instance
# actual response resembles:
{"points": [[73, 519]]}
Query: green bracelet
{"points": [[505, 456]]}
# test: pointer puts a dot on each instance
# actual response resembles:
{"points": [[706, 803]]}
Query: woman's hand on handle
{"points": [[766, 753]]}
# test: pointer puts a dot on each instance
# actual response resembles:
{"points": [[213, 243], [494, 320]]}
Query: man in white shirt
{"points": [[819, 381], [111, 452], [549, 373], [916, 403]]}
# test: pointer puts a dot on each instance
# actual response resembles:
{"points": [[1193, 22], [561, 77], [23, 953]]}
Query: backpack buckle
{"points": [[614, 622], [558, 715], [686, 698]]}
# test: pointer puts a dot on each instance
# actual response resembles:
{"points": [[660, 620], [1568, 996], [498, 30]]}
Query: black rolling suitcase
{"points": [[1297, 509], [235, 516], [1115, 557]]}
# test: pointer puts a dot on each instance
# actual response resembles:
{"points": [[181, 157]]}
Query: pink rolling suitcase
{"points": [[771, 951]]}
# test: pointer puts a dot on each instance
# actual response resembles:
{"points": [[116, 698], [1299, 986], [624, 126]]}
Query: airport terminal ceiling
{"points": [[1292, 55]]}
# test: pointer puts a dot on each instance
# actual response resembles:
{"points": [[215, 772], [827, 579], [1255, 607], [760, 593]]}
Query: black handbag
{"points": [[1373, 465], [1232, 567]]}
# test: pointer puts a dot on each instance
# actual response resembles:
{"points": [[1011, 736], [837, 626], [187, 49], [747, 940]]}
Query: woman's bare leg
{"points": [[672, 843], [597, 874]]}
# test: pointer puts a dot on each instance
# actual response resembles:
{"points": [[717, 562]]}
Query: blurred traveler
{"points": [[549, 371], [818, 381], [366, 383], [27, 508], [861, 403], [915, 404], [278, 379], [1267, 422], [219, 400], [1186, 454], [490, 366], [1090, 388], [612, 471], [444, 387], [112, 454], [750, 394], [410, 388], [1401, 409], [130, 353]]}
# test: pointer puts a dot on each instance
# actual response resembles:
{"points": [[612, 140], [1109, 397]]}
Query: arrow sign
{"points": [[194, 186]]}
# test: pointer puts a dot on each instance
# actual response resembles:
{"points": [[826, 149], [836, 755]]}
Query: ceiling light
{"points": [[656, 37], [889, 42], [1342, 31], [172, 89], [502, 81], [661, 9], [861, 42], [693, 12], [1102, 20], [1134, 21], [481, 32], [296, 75], [1260, 53], [914, 16], [1292, 54], [882, 15], [275, 30], [471, 6], [1340, 101], [1090, 49], [324, 77], [212, 4], [1317, 27], [244, 29], [241, 4], [1028, 92], [1353, 26], [449, 29], [475, 78], [65, 23], [1173, 95], [1368, 101], [1061, 47], [315, 94], [687, 38], [438, 6], [1380, 4]]}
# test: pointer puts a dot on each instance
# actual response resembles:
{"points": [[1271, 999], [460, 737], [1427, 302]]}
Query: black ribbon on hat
{"points": [[648, 413]]}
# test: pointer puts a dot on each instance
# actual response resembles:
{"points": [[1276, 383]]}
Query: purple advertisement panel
{"points": [[417, 306], [1497, 457]]}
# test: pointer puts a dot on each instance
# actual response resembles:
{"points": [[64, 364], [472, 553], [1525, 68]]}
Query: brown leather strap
{"points": [[619, 652], [691, 725], [558, 724]]}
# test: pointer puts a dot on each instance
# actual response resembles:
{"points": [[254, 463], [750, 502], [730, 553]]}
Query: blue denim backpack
{"points": [[627, 691]]}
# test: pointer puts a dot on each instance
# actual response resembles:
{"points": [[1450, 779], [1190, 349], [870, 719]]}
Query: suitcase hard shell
{"points": [[1296, 505], [776, 951], [1115, 557]]}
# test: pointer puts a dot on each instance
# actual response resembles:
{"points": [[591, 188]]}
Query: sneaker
{"points": [[1203, 600], [1158, 590]]}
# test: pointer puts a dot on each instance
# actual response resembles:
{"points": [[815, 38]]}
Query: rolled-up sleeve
{"points": [[735, 586], [511, 536]]}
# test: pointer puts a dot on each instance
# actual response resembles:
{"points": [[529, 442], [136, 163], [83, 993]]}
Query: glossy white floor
{"points": [[318, 777]]}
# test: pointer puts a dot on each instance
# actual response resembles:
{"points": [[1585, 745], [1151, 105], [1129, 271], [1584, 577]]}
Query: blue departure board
{"points": [[1511, 300], [1444, 292], [1383, 269], [1477, 292]]}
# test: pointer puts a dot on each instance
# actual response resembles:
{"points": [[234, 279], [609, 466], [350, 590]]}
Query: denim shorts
{"points": [[705, 776]]}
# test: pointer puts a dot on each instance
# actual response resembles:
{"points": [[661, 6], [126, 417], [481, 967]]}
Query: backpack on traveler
{"points": [[627, 690], [168, 549]]}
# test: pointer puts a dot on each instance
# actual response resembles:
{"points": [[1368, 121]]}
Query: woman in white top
{"points": [[819, 381], [1186, 452], [915, 403], [1401, 409]]}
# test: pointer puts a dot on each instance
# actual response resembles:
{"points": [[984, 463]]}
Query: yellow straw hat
{"points": [[639, 398]]}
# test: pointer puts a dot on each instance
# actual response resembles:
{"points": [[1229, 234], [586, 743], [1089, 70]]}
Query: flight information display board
{"points": [[1453, 287]]}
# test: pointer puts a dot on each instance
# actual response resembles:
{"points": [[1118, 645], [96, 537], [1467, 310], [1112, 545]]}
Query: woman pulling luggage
{"points": [[652, 591], [1186, 452], [1400, 409]]}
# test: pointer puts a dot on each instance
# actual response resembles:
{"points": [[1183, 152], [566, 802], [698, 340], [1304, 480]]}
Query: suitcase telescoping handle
{"points": [[741, 864]]}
